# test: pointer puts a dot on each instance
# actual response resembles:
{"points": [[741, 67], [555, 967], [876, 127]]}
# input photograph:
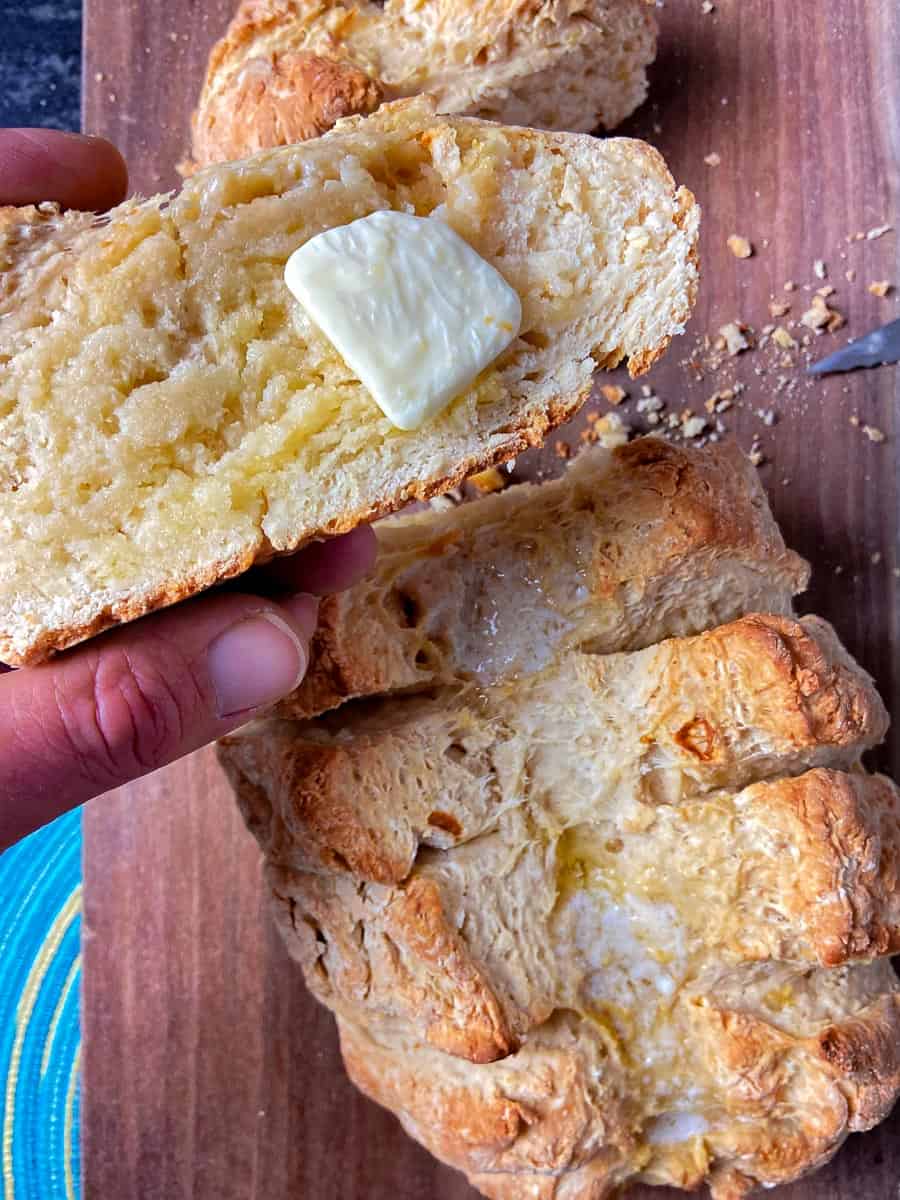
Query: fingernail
{"points": [[255, 662], [303, 611]]}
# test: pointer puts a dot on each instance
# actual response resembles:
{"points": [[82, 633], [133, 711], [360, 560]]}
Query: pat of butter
{"points": [[412, 309]]}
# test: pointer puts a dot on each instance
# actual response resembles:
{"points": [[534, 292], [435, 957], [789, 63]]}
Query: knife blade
{"points": [[871, 350]]}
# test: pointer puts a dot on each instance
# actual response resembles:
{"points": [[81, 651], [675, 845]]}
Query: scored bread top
{"points": [[170, 416], [611, 905], [286, 70]]}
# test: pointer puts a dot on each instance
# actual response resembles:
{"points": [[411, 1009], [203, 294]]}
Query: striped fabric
{"points": [[40, 969]]}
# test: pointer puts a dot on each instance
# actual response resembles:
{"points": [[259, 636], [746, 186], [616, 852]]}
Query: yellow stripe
{"points": [[58, 1012], [70, 1120], [25, 1008]]}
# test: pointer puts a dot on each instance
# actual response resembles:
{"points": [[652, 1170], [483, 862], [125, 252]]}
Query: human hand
{"points": [[141, 696]]}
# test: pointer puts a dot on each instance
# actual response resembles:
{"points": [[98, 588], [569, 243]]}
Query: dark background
{"points": [[40, 63]]}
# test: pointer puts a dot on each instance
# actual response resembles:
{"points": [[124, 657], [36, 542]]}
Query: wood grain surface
{"points": [[208, 1071]]}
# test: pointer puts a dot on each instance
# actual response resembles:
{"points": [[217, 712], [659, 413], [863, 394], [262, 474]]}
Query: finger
{"points": [[325, 567], [131, 701], [76, 171]]}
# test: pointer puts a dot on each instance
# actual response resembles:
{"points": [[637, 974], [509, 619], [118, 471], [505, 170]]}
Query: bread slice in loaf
{"points": [[169, 416], [628, 547], [286, 70]]}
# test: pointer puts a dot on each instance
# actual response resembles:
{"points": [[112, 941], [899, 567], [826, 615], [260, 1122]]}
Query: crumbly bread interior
{"points": [[286, 69], [604, 914], [169, 415]]}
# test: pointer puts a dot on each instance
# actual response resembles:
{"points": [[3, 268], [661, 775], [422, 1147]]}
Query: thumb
{"points": [[134, 700]]}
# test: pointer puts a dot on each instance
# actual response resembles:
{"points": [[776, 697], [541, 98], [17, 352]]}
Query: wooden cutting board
{"points": [[209, 1074]]}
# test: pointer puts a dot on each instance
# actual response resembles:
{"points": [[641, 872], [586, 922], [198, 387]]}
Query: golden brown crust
{"points": [[847, 831], [276, 100]]}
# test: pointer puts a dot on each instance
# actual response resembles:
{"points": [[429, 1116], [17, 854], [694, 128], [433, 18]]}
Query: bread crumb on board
{"points": [[712, 159], [613, 394], [740, 246], [873, 433], [880, 288], [609, 431], [734, 337]]}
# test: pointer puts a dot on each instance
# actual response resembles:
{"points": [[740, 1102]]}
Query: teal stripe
{"points": [[37, 878]]}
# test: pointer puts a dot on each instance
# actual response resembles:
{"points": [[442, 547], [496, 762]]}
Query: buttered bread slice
{"points": [[171, 416]]}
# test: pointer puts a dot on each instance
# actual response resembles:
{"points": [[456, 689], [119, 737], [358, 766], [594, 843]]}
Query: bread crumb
{"points": [[782, 338], [613, 394], [820, 270], [649, 404], [733, 335], [756, 455], [850, 275], [739, 246], [876, 558], [789, 286], [707, 7], [878, 231], [778, 308], [880, 287], [825, 291], [712, 160], [693, 426], [99, 77], [819, 316], [563, 450], [488, 481], [854, 421], [646, 389], [610, 431], [873, 434]]}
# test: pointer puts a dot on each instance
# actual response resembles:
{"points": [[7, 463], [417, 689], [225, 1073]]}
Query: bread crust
{"points": [[284, 72]]}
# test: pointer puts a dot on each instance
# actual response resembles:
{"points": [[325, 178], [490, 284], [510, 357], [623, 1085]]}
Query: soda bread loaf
{"points": [[170, 416], [617, 906], [286, 70]]}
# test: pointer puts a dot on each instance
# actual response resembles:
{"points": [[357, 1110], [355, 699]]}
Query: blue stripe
{"points": [[37, 878]]}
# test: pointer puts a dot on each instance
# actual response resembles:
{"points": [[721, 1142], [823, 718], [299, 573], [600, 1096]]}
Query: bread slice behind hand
{"points": [[630, 546]]}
